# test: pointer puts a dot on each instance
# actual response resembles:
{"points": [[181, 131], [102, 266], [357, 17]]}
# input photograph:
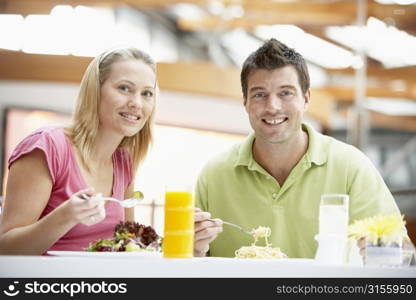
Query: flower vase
{"points": [[381, 254]]}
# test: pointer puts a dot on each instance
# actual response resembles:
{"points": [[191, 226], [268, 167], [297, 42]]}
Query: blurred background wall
{"points": [[360, 54]]}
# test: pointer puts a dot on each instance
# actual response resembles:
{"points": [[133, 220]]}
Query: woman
{"points": [[56, 173]]}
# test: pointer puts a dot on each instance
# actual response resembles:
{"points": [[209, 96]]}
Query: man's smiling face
{"points": [[275, 104]]}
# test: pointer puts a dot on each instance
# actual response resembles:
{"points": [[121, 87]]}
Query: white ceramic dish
{"points": [[134, 254]]}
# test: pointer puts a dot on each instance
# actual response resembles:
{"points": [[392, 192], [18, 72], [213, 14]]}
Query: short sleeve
{"points": [[40, 140]]}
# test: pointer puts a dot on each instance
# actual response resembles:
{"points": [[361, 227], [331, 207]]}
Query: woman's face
{"points": [[127, 98]]}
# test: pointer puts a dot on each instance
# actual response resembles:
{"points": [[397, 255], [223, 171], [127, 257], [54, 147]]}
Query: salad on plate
{"points": [[128, 237]]}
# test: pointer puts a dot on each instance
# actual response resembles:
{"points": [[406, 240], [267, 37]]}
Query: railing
{"points": [[404, 192]]}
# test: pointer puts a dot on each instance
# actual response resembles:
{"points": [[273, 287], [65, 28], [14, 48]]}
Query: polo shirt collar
{"points": [[317, 152], [245, 152]]}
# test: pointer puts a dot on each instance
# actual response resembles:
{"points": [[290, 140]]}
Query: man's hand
{"points": [[361, 246], [206, 230]]}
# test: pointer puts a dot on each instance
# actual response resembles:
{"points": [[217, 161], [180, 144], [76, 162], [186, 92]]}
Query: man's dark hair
{"points": [[272, 55]]}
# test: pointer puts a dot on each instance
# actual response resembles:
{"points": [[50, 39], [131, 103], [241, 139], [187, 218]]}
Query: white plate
{"points": [[258, 260], [134, 254]]}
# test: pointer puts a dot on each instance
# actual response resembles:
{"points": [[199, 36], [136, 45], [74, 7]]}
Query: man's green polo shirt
{"points": [[235, 188]]}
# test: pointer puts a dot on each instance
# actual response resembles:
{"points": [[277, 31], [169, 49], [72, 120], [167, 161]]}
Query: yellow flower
{"points": [[379, 229]]}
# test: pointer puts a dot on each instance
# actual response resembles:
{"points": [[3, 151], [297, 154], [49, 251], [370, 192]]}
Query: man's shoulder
{"points": [[343, 152]]}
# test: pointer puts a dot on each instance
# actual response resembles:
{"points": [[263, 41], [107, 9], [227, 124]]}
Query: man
{"points": [[276, 176]]}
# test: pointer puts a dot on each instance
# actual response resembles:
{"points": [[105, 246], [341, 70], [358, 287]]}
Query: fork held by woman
{"points": [[127, 203]]}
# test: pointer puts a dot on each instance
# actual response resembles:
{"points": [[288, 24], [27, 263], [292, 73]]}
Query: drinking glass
{"points": [[333, 214], [178, 241], [333, 224]]}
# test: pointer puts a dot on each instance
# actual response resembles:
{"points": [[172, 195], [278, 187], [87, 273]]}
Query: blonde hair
{"points": [[84, 128]]}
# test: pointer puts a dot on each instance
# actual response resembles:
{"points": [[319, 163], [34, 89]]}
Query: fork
{"points": [[235, 226], [127, 203]]}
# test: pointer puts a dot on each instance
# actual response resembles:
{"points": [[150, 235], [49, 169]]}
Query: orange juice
{"points": [[178, 241]]}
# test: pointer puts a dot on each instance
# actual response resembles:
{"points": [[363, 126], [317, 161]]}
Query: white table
{"points": [[113, 267]]}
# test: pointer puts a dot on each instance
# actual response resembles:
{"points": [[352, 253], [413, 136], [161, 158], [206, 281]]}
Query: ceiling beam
{"points": [[211, 79], [379, 120], [402, 16], [403, 73], [406, 123], [24, 66], [347, 94], [271, 13], [311, 13], [257, 12], [26, 7], [180, 76], [394, 81]]}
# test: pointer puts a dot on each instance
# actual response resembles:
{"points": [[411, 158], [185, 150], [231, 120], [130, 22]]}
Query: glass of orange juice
{"points": [[178, 241]]}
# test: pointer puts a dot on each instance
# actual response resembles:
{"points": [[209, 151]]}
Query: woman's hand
{"points": [[85, 207]]}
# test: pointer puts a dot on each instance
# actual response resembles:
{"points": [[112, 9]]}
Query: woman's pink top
{"points": [[67, 180]]}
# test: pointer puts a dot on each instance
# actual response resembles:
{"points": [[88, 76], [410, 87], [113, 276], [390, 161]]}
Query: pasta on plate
{"points": [[254, 251]]}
